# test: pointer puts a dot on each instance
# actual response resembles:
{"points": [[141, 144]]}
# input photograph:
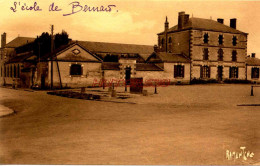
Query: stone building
{"points": [[252, 68], [85, 63], [216, 51], [11, 63]]}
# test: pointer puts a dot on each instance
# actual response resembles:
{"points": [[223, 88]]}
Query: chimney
{"points": [[3, 40], [155, 48], [181, 18], [166, 24], [253, 55], [221, 20], [233, 23]]}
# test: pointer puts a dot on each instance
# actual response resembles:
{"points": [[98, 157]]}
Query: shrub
{"points": [[202, 81]]}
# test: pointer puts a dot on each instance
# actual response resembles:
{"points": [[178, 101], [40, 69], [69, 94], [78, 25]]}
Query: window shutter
{"points": [[229, 72], [182, 70], [81, 70], [237, 73], [201, 72], [209, 71], [252, 72], [175, 71]]}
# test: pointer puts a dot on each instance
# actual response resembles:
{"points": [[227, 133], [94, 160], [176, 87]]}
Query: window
{"points": [[170, 40], [205, 54], [205, 72], [15, 72], [178, 71], [11, 71], [234, 55], [220, 39], [255, 72], [206, 38], [162, 42], [75, 70], [233, 72], [220, 55], [234, 40], [18, 71]]}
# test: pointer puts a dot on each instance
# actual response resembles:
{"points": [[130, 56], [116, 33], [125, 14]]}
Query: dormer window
{"points": [[220, 39], [234, 40], [206, 38]]}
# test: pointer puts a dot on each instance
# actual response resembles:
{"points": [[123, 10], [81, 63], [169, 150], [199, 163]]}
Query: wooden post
{"points": [[252, 90], [155, 89], [52, 56]]}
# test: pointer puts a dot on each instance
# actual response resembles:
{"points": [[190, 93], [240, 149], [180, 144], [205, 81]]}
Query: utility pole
{"points": [[52, 43]]}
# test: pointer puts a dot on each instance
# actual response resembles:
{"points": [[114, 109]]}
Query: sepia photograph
{"points": [[129, 82]]}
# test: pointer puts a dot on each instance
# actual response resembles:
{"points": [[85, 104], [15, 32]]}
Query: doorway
{"points": [[127, 75], [220, 73]]}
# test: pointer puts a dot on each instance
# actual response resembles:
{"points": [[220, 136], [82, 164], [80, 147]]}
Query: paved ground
{"points": [[180, 125]]}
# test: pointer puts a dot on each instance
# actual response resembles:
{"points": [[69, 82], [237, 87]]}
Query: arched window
{"points": [[170, 40], [234, 55], [220, 54], [206, 38]]}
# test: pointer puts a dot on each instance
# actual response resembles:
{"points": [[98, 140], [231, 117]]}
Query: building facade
{"points": [[216, 51]]}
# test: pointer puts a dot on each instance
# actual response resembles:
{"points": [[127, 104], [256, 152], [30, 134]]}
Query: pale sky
{"points": [[132, 21]]}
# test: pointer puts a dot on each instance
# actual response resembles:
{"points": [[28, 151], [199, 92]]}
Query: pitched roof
{"points": [[205, 24], [28, 56], [19, 41], [110, 66], [147, 67], [102, 47], [252, 61], [168, 57]]}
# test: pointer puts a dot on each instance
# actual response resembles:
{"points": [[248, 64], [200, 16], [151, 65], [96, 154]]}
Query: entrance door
{"points": [[220, 73], [127, 75], [42, 81]]}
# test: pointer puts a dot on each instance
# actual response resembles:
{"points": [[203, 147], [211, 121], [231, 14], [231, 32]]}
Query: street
{"points": [[192, 124]]}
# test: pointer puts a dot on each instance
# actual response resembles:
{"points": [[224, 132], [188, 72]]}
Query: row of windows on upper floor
{"points": [[220, 54], [206, 40], [10, 71]]}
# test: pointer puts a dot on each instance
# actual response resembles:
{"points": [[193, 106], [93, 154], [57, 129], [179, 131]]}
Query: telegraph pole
{"points": [[52, 43]]}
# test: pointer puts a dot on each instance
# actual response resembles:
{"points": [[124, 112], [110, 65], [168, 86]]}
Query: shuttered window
{"points": [[178, 71], [205, 54], [205, 72], [76, 70], [255, 72], [220, 54], [234, 55], [233, 72]]}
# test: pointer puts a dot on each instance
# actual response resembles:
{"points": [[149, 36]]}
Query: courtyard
{"points": [[190, 124]]}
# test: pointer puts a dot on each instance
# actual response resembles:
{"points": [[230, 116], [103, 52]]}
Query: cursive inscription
{"points": [[24, 6], [75, 6]]}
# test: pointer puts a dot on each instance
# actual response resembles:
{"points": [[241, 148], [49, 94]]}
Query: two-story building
{"points": [[216, 51]]}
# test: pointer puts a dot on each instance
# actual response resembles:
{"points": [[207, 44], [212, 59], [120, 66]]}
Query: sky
{"points": [[130, 21]]}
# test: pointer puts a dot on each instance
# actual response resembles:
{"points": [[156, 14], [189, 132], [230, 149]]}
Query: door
{"points": [[127, 75], [42, 81], [220, 73]]}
